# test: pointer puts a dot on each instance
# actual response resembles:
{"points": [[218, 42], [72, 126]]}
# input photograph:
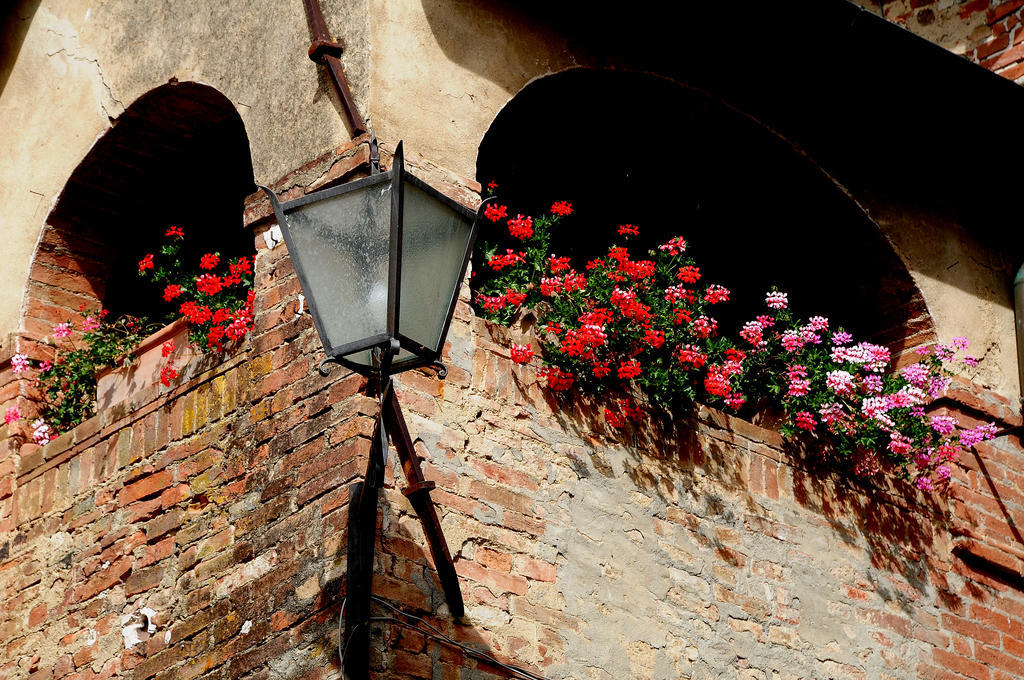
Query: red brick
{"points": [[536, 569], [961, 665], [502, 583], [147, 486], [970, 629]]}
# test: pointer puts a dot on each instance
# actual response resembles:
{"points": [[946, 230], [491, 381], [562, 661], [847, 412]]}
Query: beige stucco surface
{"points": [[80, 63], [430, 72]]}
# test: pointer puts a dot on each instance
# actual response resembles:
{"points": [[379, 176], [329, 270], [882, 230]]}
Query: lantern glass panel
{"points": [[434, 242], [342, 249]]}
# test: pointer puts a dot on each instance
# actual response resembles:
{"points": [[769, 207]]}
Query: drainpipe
{"points": [[1018, 317]]}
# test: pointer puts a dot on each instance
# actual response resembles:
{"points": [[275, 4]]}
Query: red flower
{"points": [[175, 232], [514, 297], [805, 421], [521, 227], [243, 266], [509, 259], [495, 212], [629, 230], [689, 354], [492, 185], [194, 313], [716, 293], [630, 368], [146, 263], [167, 374], [491, 304], [167, 348], [209, 284], [602, 369], [561, 208], [688, 274], [557, 379], [717, 382], [613, 419], [172, 291], [558, 264], [521, 354], [209, 261], [654, 338], [632, 411]]}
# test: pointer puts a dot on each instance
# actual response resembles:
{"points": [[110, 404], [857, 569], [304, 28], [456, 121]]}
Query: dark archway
{"points": [[756, 211], [178, 155]]}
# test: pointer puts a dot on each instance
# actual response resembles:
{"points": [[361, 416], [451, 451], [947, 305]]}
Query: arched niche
{"points": [[179, 155], [631, 147]]}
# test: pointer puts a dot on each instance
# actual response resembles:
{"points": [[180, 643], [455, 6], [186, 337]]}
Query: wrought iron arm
{"points": [[418, 493]]}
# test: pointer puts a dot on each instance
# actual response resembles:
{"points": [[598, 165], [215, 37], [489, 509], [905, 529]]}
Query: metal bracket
{"points": [[320, 49], [354, 647], [442, 370]]}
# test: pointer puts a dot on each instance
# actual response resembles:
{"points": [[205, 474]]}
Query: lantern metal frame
{"points": [[387, 344], [390, 427]]}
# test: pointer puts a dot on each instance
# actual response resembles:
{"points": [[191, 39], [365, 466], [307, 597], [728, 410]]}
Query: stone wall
{"points": [[988, 32], [698, 546]]}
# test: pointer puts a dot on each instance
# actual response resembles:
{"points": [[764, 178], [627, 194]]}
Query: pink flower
{"points": [[805, 421], [943, 472], [735, 401], [841, 338], [41, 433], [924, 484], [62, 330], [840, 382], [19, 363], [818, 323], [675, 246], [944, 425], [11, 415], [776, 300], [90, 324]]}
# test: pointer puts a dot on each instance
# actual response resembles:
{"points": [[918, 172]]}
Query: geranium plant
{"points": [[67, 376], [214, 297], [644, 330]]}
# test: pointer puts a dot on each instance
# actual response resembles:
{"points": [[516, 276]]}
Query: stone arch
{"points": [[179, 154], [758, 210]]}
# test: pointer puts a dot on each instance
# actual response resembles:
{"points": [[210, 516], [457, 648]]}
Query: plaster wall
{"points": [[71, 66], [432, 73]]}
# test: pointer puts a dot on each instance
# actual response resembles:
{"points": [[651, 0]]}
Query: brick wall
{"points": [[697, 547], [988, 32]]}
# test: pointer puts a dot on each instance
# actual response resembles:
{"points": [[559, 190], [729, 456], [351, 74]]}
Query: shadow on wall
{"points": [[179, 155], [755, 211], [13, 29], [877, 114]]}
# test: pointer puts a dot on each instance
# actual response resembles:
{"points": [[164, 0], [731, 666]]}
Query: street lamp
{"points": [[380, 261]]}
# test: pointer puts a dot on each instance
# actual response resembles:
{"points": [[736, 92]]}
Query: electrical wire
{"points": [[427, 630]]}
